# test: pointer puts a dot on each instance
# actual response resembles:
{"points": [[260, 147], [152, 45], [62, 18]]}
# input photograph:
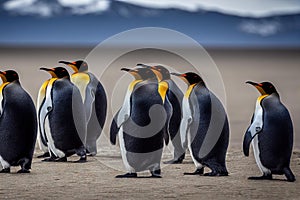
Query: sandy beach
{"points": [[95, 179]]}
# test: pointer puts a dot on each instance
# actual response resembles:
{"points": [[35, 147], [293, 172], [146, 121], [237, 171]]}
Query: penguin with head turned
{"points": [[140, 125], [173, 97], [271, 134], [62, 117], [18, 124], [204, 126], [94, 99]]}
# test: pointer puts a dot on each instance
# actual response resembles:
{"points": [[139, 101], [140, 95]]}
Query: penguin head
{"points": [[160, 71], [265, 88], [190, 78], [57, 72], [9, 76], [77, 66], [141, 73]]}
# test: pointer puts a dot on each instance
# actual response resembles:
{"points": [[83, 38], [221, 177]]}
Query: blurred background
{"points": [[255, 24], [248, 40]]}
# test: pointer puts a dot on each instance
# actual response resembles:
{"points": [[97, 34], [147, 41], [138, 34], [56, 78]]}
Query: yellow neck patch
{"points": [[42, 92], [189, 90], [81, 80], [260, 98], [133, 83], [162, 89], [2, 86]]}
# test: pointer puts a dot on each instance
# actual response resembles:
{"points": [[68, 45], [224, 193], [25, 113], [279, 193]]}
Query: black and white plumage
{"points": [[204, 127], [62, 117], [95, 102], [271, 134], [18, 124], [140, 125], [172, 103]]}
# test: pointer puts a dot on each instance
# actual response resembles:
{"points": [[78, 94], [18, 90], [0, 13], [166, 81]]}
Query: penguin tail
{"points": [[289, 174]]}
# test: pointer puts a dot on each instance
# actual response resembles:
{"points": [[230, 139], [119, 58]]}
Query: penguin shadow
{"points": [[266, 180]]}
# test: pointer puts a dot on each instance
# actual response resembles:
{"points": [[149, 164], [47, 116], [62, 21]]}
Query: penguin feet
{"points": [[23, 171], [197, 172], [127, 175], [52, 159], [82, 159], [263, 177], [156, 174], [6, 170], [45, 155], [216, 174]]}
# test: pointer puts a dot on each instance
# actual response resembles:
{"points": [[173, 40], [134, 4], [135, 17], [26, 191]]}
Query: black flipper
{"points": [[114, 129], [246, 143]]}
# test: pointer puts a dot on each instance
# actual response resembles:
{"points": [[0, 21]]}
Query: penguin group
{"points": [[71, 112]]}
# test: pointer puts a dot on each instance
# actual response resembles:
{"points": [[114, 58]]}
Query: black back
{"points": [[175, 97], [18, 124], [144, 96], [66, 134], [209, 120], [276, 138]]}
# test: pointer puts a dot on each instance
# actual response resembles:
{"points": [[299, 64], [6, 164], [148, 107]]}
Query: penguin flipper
{"points": [[166, 137], [114, 129], [247, 141], [254, 129]]}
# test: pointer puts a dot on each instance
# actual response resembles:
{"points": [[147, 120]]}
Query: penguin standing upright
{"points": [[95, 103], [18, 124], [271, 134], [205, 126], [140, 124], [174, 97], [62, 117]]}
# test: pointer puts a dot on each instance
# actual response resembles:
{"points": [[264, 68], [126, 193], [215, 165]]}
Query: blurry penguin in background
{"points": [[204, 126], [62, 117], [271, 134], [95, 102], [174, 97], [140, 124], [18, 124]]}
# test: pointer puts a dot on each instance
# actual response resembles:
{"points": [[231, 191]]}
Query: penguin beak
{"points": [[182, 76], [258, 87], [50, 70], [3, 77], [70, 64], [143, 65], [175, 74], [125, 69], [46, 69], [133, 72]]}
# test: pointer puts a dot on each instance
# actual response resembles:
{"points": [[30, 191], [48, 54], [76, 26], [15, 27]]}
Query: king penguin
{"points": [[18, 124], [140, 124], [62, 117], [271, 134], [204, 126], [95, 102], [174, 97]]}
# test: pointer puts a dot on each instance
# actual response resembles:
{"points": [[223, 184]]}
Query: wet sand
{"points": [[95, 179]]}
